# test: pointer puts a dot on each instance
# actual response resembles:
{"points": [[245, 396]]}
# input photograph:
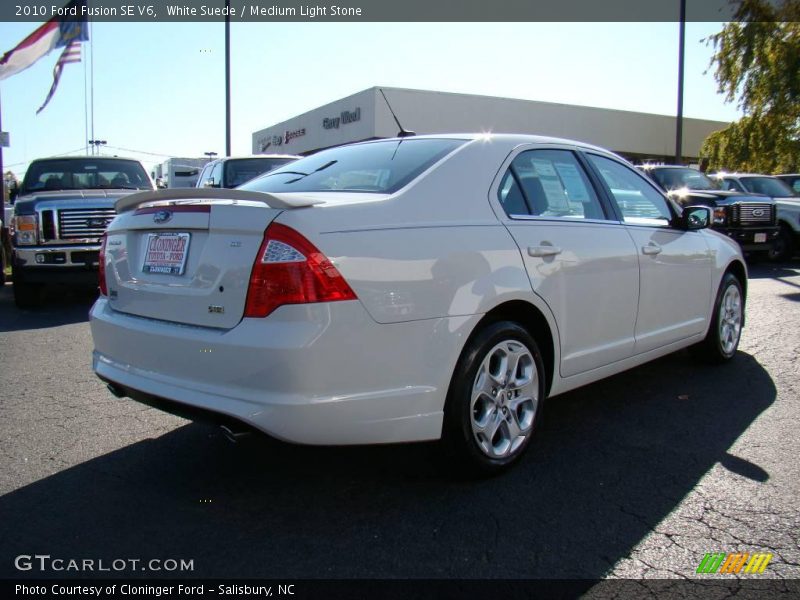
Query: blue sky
{"points": [[159, 88]]}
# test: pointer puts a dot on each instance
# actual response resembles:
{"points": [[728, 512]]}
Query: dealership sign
{"points": [[346, 116], [280, 140]]}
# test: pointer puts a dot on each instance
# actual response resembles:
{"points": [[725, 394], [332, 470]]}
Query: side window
{"points": [[638, 201], [216, 174], [730, 184], [548, 183]]}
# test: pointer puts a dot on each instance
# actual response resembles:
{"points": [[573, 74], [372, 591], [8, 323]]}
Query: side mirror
{"points": [[209, 183], [695, 217], [13, 191]]}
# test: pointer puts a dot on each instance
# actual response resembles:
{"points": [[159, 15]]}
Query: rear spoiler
{"points": [[284, 201]]}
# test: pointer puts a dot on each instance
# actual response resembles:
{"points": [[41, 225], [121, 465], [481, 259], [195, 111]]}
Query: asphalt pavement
{"points": [[639, 475]]}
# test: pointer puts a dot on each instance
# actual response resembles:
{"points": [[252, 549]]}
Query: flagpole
{"points": [[85, 110], [91, 73], [2, 173]]}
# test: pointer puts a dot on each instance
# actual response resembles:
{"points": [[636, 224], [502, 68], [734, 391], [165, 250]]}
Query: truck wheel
{"points": [[783, 247], [495, 400], [26, 295], [725, 329]]}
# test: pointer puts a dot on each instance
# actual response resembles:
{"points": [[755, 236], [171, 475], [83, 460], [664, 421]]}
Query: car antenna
{"points": [[403, 132]]}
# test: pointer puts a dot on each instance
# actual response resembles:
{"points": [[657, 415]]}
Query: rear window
{"points": [[85, 174], [673, 179], [383, 167], [768, 186], [242, 170]]}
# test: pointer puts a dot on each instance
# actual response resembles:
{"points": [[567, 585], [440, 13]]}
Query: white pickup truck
{"points": [[60, 213]]}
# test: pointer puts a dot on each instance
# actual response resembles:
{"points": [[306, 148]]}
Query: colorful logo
{"points": [[722, 562]]}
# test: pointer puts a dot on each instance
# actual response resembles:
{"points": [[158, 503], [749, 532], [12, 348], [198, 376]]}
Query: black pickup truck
{"points": [[750, 219], [61, 211]]}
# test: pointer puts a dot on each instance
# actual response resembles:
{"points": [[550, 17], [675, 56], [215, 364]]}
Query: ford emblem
{"points": [[759, 212], [96, 223], [162, 216]]}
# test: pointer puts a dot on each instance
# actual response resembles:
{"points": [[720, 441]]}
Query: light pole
{"points": [[95, 144], [679, 120], [210, 155]]}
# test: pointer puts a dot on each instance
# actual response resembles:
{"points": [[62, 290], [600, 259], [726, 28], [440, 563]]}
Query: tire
{"points": [[725, 329], [26, 295], [783, 247], [484, 398]]}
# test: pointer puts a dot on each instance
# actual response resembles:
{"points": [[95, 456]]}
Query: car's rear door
{"points": [[579, 260]]}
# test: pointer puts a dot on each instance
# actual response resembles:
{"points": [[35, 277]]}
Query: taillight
{"points": [[101, 270], [290, 270]]}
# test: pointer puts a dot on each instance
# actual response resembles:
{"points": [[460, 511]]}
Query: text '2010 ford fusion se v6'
{"points": [[425, 288]]}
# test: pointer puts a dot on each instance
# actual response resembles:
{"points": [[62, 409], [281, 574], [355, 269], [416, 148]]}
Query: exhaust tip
{"points": [[115, 390], [234, 435]]}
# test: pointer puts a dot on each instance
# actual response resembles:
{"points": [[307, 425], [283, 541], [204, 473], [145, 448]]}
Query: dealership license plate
{"points": [[759, 238], [166, 253]]}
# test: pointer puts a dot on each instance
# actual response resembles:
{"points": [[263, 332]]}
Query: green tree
{"points": [[757, 64]]}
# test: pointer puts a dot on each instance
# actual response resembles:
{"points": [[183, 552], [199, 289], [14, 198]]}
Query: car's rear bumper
{"points": [[313, 374]]}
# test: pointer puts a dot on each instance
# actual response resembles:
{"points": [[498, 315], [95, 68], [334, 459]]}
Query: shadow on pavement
{"points": [[62, 306], [768, 270], [613, 459]]}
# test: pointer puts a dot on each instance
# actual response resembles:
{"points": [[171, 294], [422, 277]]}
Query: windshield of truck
{"points": [[383, 167], [85, 174], [242, 170], [674, 179], [767, 185]]}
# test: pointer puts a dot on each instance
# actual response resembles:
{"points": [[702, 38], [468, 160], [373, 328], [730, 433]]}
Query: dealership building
{"points": [[366, 116]]}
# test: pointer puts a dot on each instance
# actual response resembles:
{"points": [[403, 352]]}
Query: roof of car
{"points": [[224, 158], [723, 174], [84, 157], [649, 167], [511, 138]]}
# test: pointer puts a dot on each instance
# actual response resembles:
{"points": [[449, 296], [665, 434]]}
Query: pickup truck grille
{"points": [[78, 223], [753, 214]]}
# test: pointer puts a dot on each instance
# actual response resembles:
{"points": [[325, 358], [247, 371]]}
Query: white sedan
{"points": [[420, 288]]}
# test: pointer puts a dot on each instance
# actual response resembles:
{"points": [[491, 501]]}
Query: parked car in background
{"points": [[60, 213], [787, 202], [231, 172], [793, 180], [749, 219], [409, 289], [2, 252]]}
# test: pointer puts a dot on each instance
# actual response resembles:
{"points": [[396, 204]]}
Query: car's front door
{"points": [[580, 261], [674, 265]]}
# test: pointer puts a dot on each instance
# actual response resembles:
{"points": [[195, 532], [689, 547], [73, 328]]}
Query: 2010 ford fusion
{"points": [[433, 287]]}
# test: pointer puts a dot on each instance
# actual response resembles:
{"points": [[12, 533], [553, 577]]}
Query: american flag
{"points": [[71, 54]]}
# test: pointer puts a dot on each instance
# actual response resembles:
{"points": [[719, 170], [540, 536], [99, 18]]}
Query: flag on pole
{"points": [[58, 32], [71, 54]]}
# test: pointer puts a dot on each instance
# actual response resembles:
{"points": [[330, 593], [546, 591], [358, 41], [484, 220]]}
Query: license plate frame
{"points": [[166, 261], [759, 238]]}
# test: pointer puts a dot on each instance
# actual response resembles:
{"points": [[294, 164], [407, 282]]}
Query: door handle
{"points": [[651, 248], [543, 250]]}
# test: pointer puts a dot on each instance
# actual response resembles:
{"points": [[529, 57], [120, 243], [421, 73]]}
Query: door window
{"points": [[548, 183], [638, 201]]}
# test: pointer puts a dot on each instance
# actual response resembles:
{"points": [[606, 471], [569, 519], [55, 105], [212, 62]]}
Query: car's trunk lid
{"points": [[188, 260]]}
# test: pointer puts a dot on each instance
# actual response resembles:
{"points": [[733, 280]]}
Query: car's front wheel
{"points": [[495, 399], [725, 330], [783, 247]]}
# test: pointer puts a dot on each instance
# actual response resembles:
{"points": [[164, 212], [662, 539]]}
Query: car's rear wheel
{"points": [[495, 399], [725, 331], [783, 247]]}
